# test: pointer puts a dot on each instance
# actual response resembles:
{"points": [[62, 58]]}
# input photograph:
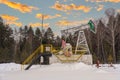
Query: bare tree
{"points": [[110, 12], [112, 26]]}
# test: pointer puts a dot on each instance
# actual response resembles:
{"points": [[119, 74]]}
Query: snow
{"points": [[59, 71], [9, 67]]}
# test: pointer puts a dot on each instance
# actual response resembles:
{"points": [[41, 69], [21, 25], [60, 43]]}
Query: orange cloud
{"points": [[46, 25], [64, 7], [114, 1], [66, 23], [63, 23], [8, 17], [100, 7], [18, 6], [94, 0], [11, 20], [18, 24], [58, 6], [39, 15]]}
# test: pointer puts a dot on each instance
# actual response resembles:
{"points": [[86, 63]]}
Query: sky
{"points": [[57, 14]]}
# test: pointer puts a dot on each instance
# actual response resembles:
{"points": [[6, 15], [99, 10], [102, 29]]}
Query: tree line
{"points": [[17, 45]]}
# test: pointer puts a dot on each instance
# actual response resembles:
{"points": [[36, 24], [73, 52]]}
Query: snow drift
{"points": [[58, 71]]}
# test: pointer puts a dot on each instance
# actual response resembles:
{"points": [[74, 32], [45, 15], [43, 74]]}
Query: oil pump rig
{"points": [[81, 44], [66, 54]]}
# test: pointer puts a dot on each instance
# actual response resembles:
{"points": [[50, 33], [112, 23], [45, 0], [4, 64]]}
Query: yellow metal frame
{"points": [[41, 49], [72, 60], [38, 50]]}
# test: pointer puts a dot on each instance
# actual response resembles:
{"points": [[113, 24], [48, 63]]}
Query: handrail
{"points": [[31, 56]]}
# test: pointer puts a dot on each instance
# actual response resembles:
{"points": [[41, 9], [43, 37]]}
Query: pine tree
{"points": [[26, 44], [48, 36], [30, 38], [6, 43], [37, 39]]}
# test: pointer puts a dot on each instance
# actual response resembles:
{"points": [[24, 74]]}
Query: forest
{"points": [[17, 45]]}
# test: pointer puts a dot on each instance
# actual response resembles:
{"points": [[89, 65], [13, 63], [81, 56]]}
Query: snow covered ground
{"points": [[58, 71]]}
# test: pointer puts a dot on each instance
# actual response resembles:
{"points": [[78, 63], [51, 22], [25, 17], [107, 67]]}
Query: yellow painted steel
{"points": [[73, 58], [51, 48], [30, 57], [42, 49], [54, 51]]}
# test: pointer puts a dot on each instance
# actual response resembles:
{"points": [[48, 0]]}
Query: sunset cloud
{"points": [[8, 17], [65, 23], [45, 25], [100, 7], [12, 20], [18, 6], [18, 24], [113, 1], [64, 7], [39, 15]]}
